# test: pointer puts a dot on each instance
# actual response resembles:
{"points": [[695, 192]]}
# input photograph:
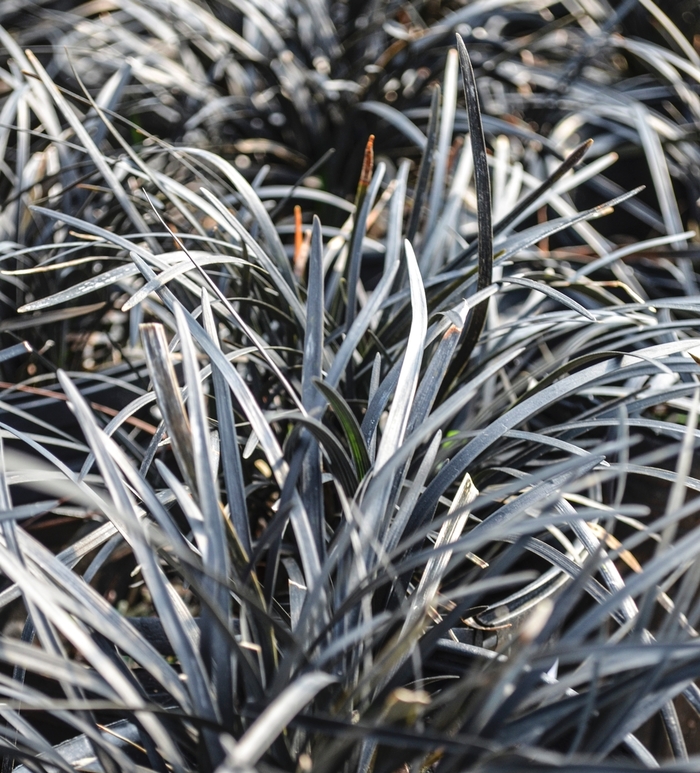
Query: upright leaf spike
{"points": [[484, 220], [481, 168]]}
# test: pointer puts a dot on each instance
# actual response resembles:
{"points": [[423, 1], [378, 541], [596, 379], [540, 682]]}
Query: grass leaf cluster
{"points": [[349, 386]]}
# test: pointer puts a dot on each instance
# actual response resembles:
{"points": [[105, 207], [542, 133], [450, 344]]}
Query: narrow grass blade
{"points": [[311, 474], [426, 165], [483, 196], [245, 753], [230, 450], [169, 398]]}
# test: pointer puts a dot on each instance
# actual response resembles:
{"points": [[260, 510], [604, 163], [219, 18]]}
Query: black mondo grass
{"points": [[349, 386]]}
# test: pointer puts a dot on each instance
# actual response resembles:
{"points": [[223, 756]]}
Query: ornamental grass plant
{"points": [[349, 386]]}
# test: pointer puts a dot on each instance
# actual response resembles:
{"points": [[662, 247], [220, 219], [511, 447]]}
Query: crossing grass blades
{"points": [[296, 482]]}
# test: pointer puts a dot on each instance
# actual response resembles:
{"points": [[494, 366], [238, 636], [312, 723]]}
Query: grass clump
{"points": [[322, 452]]}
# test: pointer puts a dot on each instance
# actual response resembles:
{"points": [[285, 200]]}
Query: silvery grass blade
{"points": [[314, 335], [376, 498], [250, 748], [373, 628], [35, 620], [76, 490], [573, 181], [103, 555], [8, 115], [677, 495], [127, 520], [673, 727], [189, 507], [110, 95], [175, 541], [310, 192], [236, 383], [119, 420], [550, 292], [42, 104], [407, 383], [658, 167], [446, 230], [150, 499], [424, 170], [96, 750], [216, 556], [201, 583], [375, 375], [10, 352], [394, 228], [609, 572], [311, 486], [35, 743], [297, 591], [193, 256], [398, 120], [246, 663], [105, 125], [146, 399], [169, 399], [367, 193], [305, 646], [377, 403], [22, 512], [29, 417], [110, 277], [573, 159], [684, 549], [604, 659], [629, 249], [485, 227], [43, 319], [650, 355], [446, 130], [514, 244], [38, 661], [268, 354], [619, 703], [230, 451], [506, 519], [437, 368], [325, 28], [286, 192]]}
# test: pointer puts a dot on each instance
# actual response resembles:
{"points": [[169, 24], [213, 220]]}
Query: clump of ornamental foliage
{"points": [[349, 386]]}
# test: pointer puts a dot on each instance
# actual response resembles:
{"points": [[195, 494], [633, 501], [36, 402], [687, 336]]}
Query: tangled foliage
{"points": [[349, 386]]}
